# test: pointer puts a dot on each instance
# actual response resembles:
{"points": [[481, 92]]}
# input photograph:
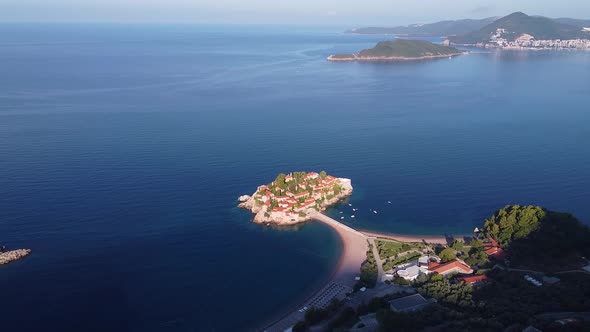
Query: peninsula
{"points": [[296, 197], [400, 50]]}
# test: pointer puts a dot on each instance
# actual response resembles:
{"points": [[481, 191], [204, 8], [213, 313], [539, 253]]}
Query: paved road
{"points": [[381, 273]]}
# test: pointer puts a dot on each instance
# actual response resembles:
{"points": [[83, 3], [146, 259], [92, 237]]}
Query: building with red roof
{"points": [[472, 280], [301, 194], [492, 249], [454, 266]]}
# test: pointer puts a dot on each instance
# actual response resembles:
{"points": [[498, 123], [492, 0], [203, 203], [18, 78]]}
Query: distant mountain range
{"points": [[438, 29], [573, 21], [473, 31], [517, 24]]}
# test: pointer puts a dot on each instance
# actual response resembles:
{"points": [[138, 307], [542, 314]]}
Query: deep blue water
{"points": [[123, 149]]}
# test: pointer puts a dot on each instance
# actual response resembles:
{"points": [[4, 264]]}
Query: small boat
{"points": [[375, 212], [341, 218], [341, 212], [352, 216], [388, 202], [349, 204]]}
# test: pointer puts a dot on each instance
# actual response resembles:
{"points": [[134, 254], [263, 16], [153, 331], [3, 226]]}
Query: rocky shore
{"points": [[356, 57], [11, 256]]}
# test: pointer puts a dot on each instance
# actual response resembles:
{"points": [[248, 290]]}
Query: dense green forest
{"points": [[538, 238]]}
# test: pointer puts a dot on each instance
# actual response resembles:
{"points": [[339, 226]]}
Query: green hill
{"points": [[402, 48], [438, 29], [517, 24]]}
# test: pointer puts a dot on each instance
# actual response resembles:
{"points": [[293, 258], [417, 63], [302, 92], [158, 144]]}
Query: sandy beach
{"points": [[354, 248]]}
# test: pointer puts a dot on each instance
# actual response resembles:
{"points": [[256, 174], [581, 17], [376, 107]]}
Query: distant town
{"points": [[527, 41]]}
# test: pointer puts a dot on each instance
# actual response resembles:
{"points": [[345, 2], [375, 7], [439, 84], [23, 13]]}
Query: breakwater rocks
{"points": [[13, 255]]}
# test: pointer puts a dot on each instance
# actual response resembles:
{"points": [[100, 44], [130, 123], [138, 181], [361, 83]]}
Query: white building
{"points": [[409, 271]]}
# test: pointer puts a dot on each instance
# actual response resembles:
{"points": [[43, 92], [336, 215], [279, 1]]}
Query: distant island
{"points": [[400, 50], [295, 197]]}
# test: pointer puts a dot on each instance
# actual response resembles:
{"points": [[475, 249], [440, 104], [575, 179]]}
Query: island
{"points": [[296, 197], [400, 50]]}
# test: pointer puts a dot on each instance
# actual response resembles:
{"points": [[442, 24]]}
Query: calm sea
{"points": [[123, 149]]}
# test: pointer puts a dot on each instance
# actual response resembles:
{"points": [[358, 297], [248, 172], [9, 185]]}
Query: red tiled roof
{"points": [[499, 254], [451, 265], [432, 265], [473, 279], [491, 250], [494, 243]]}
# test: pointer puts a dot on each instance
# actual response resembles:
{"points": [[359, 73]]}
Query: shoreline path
{"points": [[355, 246]]}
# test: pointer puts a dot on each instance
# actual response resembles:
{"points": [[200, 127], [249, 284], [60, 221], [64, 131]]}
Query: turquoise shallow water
{"points": [[123, 150]]}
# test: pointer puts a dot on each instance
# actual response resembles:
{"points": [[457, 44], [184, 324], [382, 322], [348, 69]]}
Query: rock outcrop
{"points": [[11, 256]]}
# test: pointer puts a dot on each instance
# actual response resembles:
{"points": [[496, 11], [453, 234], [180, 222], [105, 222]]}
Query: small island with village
{"points": [[296, 197]]}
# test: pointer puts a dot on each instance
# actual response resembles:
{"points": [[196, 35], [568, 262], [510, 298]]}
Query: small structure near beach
{"points": [[11, 256], [295, 197]]}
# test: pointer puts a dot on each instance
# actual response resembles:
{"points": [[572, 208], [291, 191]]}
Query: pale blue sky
{"points": [[350, 12]]}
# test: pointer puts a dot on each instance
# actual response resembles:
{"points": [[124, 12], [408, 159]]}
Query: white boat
{"points": [[349, 204], [388, 202], [352, 216], [341, 218], [375, 212]]}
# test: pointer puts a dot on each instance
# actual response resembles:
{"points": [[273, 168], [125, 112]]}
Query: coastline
{"points": [[355, 57], [271, 323], [414, 238], [354, 247], [353, 254]]}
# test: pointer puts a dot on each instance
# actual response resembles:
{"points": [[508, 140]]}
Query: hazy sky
{"points": [[350, 12]]}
